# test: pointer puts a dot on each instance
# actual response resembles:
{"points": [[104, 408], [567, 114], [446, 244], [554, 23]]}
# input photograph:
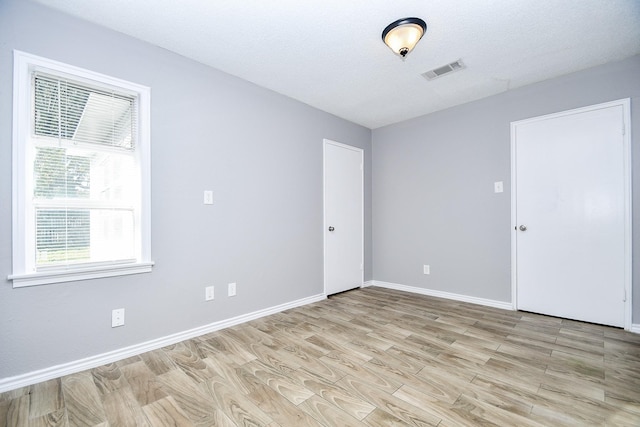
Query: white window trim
{"points": [[24, 64]]}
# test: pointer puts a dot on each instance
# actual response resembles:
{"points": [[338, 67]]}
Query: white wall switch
{"points": [[232, 289], [208, 197], [426, 269], [498, 187], [208, 293], [117, 317]]}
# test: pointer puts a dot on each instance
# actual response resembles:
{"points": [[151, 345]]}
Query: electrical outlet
{"points": [[117, 317], [426, 269], [498, 187], [232, 289], [208, 293]]}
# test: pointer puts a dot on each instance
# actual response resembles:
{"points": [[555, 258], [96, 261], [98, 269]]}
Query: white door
{"points": [[343, 217], [572, 214]]}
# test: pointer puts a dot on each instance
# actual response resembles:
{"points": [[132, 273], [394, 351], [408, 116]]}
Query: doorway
{"points": [[343, 217], [571, 214]]}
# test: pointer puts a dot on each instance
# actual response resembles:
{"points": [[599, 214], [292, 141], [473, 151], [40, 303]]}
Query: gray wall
{"points": [[433, 199], [261, 154]]}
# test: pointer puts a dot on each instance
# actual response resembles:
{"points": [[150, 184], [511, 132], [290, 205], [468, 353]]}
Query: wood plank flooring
{"points": [[368, 357]]}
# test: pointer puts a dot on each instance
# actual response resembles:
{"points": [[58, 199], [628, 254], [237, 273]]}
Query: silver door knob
{"points": [[331, 228], [523, 228]]}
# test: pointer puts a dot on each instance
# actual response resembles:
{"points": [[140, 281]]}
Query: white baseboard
{"points": [[635, 328], [441, 294], [34, 377], [367, 284]]}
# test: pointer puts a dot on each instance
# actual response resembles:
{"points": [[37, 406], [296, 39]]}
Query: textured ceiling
{"points": [[329, 53]]}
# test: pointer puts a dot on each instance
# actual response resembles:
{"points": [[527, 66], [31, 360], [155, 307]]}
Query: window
{"points": [[80, 172]]}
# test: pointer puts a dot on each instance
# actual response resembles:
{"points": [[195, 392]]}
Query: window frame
{"points": [[24, 66]]}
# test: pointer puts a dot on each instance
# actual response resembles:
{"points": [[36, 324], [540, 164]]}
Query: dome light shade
{"points": [[402, 35]]}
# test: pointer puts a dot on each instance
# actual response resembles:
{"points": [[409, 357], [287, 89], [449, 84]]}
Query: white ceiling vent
{"points": [[446, 69]]}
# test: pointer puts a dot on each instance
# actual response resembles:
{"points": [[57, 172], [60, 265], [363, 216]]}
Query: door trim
{"points": [[625, 104], [326, 142]]}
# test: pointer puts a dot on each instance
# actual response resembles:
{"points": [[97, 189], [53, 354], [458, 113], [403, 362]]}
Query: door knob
{"points": [[523, 228], [331, 228]]}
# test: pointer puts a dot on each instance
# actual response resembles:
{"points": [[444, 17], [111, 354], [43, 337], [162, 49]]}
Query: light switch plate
{"points": [[208, 197], [208, 293], [232, 289]]}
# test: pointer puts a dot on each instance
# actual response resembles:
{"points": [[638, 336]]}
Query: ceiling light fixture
{"points": [[403, 35]]}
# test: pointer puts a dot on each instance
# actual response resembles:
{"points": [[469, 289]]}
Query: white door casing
{"points": [[343, 217], [571, 190]]}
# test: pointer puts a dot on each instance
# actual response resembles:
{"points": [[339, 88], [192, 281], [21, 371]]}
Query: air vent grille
{"points": [[445, 69]]}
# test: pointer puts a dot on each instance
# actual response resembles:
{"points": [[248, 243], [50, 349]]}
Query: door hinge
{"points": [[625, 296], [361, 266]]}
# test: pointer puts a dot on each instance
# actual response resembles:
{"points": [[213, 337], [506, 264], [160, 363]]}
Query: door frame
{"points": [[626, 117], [325, 225]]}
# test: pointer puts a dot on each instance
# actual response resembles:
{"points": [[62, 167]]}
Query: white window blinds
{"points": [[78, 113], [86, 182]]}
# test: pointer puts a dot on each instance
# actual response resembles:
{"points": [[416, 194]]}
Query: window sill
{"points": [[45, 278]]}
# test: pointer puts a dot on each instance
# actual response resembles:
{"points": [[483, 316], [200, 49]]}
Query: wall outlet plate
{"points": [[232, 289], [426, 269], [117, 317], [208, 293]]}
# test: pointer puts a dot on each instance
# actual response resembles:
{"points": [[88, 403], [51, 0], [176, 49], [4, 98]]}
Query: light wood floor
{"points": [[369, 357]]}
